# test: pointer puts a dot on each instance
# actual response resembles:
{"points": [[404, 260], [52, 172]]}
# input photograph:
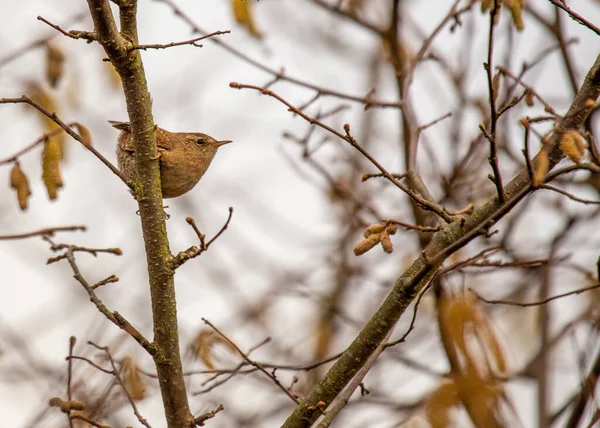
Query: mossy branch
{"points": [[128, 64], [443, 244]]}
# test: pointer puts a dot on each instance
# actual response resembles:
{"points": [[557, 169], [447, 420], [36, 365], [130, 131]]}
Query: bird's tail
{"points": [[121, 126]]}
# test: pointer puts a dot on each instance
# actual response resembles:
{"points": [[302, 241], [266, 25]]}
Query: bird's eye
{"points": [[200, 141]]}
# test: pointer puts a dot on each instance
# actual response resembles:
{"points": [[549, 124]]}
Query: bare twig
{"points": [[47, 136], [72, 341], [493, 88], [49, 231], [538, 303], [199, 420], [576, 17], [186, 42], [367, 101], [39, 42], [411, 326], [194, 251], [413, 226], [114, 317], [366, 177], [252, 363], [547, 107], [67, 129], [427, 205], [115, 373], [85, 35], [569, 195], [344, 397], [92, 422]]}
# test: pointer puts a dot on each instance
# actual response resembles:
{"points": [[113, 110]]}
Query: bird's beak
{"points": [[222, 143]]}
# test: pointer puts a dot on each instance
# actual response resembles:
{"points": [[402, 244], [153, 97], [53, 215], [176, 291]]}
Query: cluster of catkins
{"points": [[375, 234]]}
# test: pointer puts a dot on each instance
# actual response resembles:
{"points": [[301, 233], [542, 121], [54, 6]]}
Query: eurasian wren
{"points": [[184, 157]]}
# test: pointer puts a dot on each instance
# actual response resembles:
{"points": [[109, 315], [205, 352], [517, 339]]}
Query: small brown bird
{"points": [[184, 157]]}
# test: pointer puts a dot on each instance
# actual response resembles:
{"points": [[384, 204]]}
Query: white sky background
{"points": [[273, 203]]}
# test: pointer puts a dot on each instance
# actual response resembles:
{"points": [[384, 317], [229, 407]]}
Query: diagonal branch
{"points": [[423, 202], [54, 117], [444, 243]]}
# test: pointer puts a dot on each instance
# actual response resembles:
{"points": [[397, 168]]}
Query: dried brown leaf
{"points": [[487, 337], [45, 99], [202, 347], [486, 5], [355, 6], [529, 98], [242, 12], [483, 395], [440, 403], [324, 335], [55, 59], [51, 167], [85, 134], [456, 315], [495, 86], [132, 380], [516, 8], [541, 168], [20, 182]]}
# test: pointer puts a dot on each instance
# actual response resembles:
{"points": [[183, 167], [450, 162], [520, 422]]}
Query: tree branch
{"points": [[128, 63], [443, 244]]}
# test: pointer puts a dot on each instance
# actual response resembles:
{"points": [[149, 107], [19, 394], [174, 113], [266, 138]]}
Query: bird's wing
{"points": [[130, 149]]}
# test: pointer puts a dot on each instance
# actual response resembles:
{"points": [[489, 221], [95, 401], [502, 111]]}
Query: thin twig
{"points": [[199, 420], [72, 341], [433, 122], [547, 107], [427, 205], [85, 35], [49, 231], [115, 373], [493, 95], [186, 42], [47, 136], [251, 362], [367, 101], [413, 226], [193, 251], [538, 303], [37, 43], [73, 248], [344, 397], [366, 177], [412, 321], [87, 420], [569, 195], [576, 17], [525, 123], [91, 363], [114, 317], [68, 130]]}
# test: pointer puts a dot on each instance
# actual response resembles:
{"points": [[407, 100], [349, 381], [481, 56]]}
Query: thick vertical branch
{"points": [[128, 64]]}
